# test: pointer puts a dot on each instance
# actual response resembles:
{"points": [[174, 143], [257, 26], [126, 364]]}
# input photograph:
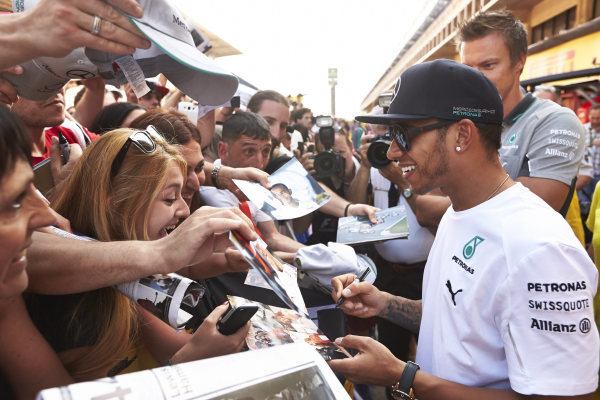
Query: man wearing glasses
{"points": [[507, 292]]}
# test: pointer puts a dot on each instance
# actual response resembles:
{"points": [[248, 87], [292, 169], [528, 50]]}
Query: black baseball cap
{"points": [[442, 89]]}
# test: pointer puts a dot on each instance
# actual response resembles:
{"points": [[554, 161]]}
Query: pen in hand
{"points": [[359, 279], [65, 150]]}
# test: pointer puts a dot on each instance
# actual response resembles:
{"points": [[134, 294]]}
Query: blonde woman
{"points": [[127, 186]]}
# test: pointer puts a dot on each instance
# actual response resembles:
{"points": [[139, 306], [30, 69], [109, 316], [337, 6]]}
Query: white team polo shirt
{"points": [[507, 300]]}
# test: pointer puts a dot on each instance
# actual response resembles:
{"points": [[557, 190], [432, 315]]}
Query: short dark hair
{"points": [[174, 126], [259, 97], [490, 136], [299, 113], [281, 185], [303, 131], [502, 22], [112, 116], [247, 124], [15, 143]]}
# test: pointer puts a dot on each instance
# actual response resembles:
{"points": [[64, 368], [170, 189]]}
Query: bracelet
{"points": [[215, 175], [346, 209]]}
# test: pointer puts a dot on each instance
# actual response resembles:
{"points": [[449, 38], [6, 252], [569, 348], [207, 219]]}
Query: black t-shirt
{"points": [[51, 314]]}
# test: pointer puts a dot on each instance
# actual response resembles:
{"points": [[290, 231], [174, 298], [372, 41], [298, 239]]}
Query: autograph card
{"points": [[267, 265]]}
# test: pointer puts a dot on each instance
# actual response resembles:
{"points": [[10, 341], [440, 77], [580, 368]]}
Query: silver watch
{"points": [[407, 193]]}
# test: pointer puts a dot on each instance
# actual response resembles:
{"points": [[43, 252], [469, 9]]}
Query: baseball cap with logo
{"points": [[442, 89], [172, 53], [43, 77]]}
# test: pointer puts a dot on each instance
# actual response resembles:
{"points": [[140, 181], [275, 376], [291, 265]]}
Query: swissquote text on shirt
{"points": [[507, 300], [543, 140]]}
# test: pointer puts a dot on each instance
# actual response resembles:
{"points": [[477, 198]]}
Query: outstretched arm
{"points": [[58, 265], [337, 206], [91, 102], [55, 27], [225, 176], [374, 364]]}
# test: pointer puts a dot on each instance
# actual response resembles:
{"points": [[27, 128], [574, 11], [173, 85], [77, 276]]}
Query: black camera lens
{"points": [[325, 164], [377, 153]]}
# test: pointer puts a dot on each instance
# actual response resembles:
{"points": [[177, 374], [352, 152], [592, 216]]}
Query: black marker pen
{"points": [[359, 279], [65, 149]]}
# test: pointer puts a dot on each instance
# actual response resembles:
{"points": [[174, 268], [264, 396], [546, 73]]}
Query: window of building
{"points": [[555, 25], [596, 8]]}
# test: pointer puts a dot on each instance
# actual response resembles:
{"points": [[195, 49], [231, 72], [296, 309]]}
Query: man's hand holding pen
{"points": [[361, 278], [362, 298]]}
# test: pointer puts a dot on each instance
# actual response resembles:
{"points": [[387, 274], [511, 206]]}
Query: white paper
{"points": [[295, 370]]}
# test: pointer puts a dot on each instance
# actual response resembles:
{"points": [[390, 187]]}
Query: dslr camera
{"points": [[327, 162], [377, 153]]}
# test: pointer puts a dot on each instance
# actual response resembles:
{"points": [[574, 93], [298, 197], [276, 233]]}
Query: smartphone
{"points": [[235, 317], [190, 110], [42, 177]]}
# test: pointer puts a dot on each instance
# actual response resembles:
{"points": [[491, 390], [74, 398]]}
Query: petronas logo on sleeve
{"points": [[469, 248]]}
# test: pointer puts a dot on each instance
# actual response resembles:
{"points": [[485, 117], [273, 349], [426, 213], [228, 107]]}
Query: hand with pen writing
{"points": [[362, 298]]}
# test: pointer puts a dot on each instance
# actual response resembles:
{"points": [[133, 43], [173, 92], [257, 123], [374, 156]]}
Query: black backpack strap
{"points": [[565, 207], [567, 203]]}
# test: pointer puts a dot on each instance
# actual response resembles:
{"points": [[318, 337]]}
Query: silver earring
{"points": [[458, 148]]}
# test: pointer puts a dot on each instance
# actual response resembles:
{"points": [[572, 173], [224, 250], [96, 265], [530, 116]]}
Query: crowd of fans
{"points": [[153, 187]]}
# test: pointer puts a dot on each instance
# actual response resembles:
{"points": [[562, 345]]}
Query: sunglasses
{"points": [[400, 133], [142, 140]]}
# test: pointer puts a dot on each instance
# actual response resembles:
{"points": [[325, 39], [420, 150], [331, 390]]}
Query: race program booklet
{"points": [[271, 270], [273, 326], [391, 224], [172, 298], [293, 193], [281, 372]]}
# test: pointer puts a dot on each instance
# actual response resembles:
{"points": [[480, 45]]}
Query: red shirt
{"points": [[67, 133]]}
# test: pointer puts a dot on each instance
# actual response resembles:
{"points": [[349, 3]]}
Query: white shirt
{"points": [[507, 300], [406, 251]]}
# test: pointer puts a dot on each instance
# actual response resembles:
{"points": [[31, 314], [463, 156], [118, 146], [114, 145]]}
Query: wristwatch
{"points": [[407, 193], [403, 390]]}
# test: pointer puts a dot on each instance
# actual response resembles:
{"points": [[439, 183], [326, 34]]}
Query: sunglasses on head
{"points": [[142, 140], [400, 133]]}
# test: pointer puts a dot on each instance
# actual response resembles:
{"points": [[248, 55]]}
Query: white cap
{"points": [[173, 53], [43, 77], [322, 263]]}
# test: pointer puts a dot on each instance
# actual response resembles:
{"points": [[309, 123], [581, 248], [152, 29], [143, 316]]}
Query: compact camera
{"points": [[327, 162]]}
